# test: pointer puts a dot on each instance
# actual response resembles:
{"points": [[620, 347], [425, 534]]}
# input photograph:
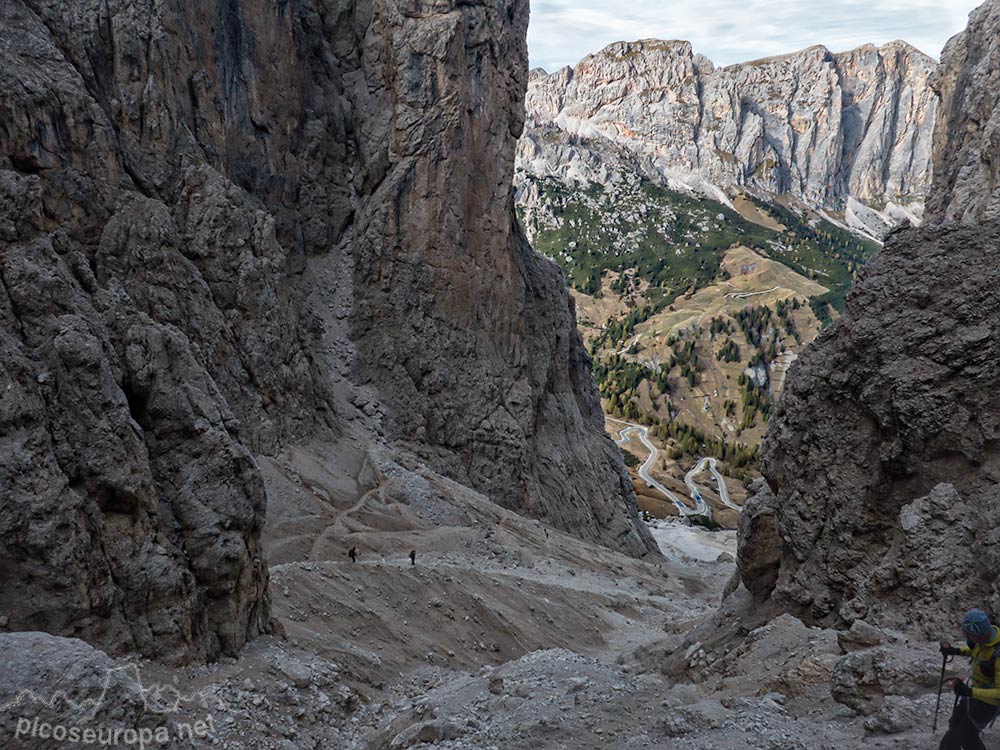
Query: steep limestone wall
{"points": [[167, 173], [825, 128], [967, 133]]}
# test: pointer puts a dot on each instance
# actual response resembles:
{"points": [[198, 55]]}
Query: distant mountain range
{"points": [[847, 134]]}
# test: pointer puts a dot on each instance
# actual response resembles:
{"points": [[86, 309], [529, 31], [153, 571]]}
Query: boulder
{"points": [[758, 552], [862, 680], [428, 732], [899, 714], [53, 689]]}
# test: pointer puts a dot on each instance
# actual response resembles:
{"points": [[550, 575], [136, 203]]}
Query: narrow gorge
{"points": [[217, 245], [301, 440]]}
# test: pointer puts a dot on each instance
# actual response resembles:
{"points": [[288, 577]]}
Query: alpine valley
{"points": [[710, 222], [302, 444]]}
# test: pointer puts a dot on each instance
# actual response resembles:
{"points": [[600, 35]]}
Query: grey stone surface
{"points": [[470, 336], [171, 176], [882, 455], [151, 335], [865, 680], [758, 551], [967, 129], [54, 690], [882, 460]]}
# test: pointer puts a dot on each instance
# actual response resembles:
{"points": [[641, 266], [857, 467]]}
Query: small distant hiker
{"points": [[353, 554], [976, 706], [413, 557]]}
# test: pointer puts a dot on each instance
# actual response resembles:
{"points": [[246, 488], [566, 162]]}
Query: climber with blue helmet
{"points": [[976, 705]]}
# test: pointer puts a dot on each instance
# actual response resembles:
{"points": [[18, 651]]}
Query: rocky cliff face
{"points": [[171, 177], [468, 334], [883, 461], [967, 176], [882, 456], [837, 131]]}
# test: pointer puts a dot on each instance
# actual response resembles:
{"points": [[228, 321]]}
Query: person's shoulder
{"points": [[994, 642]]}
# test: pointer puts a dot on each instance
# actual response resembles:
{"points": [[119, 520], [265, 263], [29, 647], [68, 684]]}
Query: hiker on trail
{"points": [[977, 705], [353, 554], [413, 557]]}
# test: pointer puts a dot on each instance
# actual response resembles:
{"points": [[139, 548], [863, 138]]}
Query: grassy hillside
{"points": [[674, 243], [693, 311], [705, 370]]}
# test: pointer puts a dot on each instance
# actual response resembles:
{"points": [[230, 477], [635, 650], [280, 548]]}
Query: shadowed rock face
{"points": [[967, 132], [152, 339], [169, 173], [884, 454], [468, 334]]}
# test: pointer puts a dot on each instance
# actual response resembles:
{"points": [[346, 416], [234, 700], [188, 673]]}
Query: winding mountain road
{"points": [[701, 507], [746, 295], [712, 467]]}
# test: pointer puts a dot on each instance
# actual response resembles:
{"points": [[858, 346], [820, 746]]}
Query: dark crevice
{"points": [[193, 96], [137, 180], [137, 403], [25, 164]]}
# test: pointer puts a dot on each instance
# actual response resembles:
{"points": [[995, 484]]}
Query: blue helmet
{"points": [[976, 624]]}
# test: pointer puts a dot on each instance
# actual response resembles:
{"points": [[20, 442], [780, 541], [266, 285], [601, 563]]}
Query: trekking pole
{"points": [[937, 708]]}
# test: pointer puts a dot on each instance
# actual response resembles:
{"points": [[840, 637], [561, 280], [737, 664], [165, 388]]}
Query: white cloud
{"points": [[727, 31]]}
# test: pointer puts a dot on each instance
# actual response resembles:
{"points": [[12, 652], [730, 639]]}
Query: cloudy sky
{"points": [[728, 31]]}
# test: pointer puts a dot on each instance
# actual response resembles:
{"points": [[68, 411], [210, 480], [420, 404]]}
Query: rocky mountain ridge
{"points": [[849, 132], [229, 230], [966, 181]]}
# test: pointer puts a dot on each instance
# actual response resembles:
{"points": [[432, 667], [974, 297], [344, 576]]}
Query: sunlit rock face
{"points": [[837, 131]]}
